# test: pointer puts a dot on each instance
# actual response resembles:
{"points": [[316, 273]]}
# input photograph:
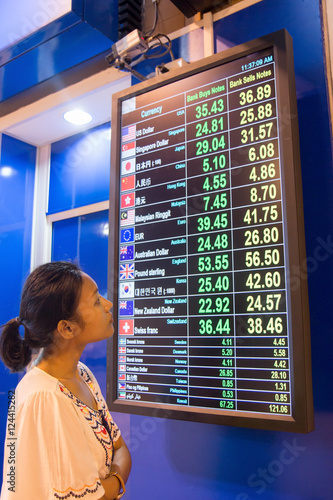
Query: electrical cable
{"points": [[156, 48], [155, 21]]}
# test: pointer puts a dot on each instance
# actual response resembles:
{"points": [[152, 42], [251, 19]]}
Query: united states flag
{"points": [[128, 133]]}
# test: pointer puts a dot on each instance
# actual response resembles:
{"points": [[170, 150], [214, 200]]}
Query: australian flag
{"points": [[126, 252]]}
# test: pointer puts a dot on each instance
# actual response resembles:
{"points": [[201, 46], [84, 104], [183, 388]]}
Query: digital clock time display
{"points": [[201, 257]]}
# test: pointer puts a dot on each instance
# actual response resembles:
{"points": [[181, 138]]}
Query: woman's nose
{"points": [[108, 304]]}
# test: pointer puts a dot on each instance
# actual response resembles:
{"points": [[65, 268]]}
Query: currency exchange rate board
{"points": [[202, 297]]}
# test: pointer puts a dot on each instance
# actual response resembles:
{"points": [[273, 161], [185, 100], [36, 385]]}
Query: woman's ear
{"points": [[67, 329]]}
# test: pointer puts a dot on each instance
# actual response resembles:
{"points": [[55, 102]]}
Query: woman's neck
{"points": [[62, 365]]}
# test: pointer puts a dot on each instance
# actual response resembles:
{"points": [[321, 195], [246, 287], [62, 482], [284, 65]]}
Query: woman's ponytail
{"points": [[14, 351], [50, 294]]}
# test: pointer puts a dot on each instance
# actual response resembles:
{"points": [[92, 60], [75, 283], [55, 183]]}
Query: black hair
{"points": [[50, 294]]}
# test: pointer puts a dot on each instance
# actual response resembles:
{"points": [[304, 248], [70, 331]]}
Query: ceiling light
{"points": [[7, 171], [77, 117]]}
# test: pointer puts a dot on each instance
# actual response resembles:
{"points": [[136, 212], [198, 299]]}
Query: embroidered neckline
{"points": [[96, 418]]}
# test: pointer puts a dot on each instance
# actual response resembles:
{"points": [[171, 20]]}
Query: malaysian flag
{"points": [[126, 271], [128, 133], [127, 218]]}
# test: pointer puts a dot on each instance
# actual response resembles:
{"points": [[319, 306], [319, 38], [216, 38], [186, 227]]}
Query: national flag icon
{"points": [[128, 105], [122, 376], [126, 307], [127, 183], [122, 350], [127, 150], [127, 235], [128, 166], [121, 386], [128, 133], [126, 271], [126, 327], [126, 289], [127, 252], [122, 341], [127, 218], [127, 200], [122, 395], [122, 368], [122, 359]]}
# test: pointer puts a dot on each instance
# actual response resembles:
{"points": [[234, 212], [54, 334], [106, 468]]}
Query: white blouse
{"points": [[56, 447]]}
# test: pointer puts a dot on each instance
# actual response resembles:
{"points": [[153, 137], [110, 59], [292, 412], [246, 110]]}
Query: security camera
{"points": [[128, 47]]}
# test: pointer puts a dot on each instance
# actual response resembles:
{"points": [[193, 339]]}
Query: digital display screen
{"points": [[200, 247]]}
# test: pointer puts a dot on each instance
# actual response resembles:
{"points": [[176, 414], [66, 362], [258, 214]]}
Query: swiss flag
{"points": [[126, 327]]}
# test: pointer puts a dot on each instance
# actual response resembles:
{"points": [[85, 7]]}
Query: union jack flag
{"points": [[126, 271]]}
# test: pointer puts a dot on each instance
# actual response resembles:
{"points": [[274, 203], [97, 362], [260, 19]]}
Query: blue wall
{"points": [[85, 239], [80, 170], [186, 460], [17, 173]]}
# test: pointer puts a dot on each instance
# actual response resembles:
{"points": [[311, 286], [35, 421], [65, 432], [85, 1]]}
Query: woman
{"points": [[61, 441]]}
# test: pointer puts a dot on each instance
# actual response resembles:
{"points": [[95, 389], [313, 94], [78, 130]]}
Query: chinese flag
{"points": [[128, 183]]}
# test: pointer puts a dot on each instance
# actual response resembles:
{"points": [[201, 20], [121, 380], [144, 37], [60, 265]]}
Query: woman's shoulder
{"points": [[35, 382]]}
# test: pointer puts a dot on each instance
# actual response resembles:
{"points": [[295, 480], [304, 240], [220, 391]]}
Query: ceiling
{"points": [[43, 123]]}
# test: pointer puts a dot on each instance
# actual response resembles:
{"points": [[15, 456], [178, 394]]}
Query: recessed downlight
{"points": [[77, 117], [7, 171]]}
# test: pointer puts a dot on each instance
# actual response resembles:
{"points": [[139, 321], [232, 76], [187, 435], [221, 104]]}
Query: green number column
{"points": [[211, 331], [260, 285]]}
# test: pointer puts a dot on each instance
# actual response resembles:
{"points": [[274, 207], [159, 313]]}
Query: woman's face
{"points": [[94, 310]]}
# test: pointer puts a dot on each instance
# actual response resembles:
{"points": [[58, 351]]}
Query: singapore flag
{"points": [[128, 150]]}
